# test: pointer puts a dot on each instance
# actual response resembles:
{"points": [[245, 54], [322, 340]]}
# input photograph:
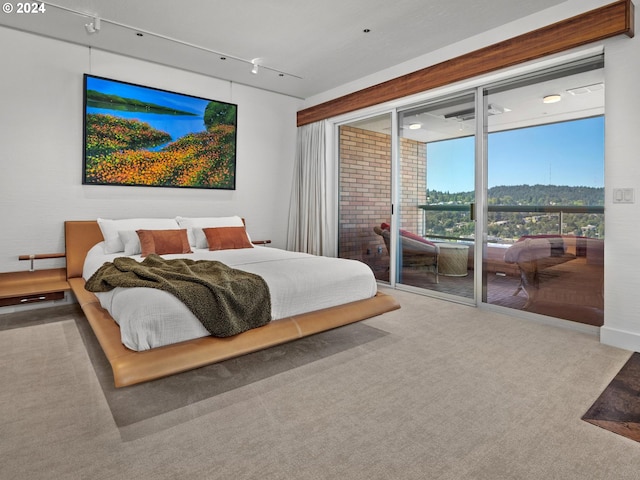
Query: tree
{"points": [[219, 114]]}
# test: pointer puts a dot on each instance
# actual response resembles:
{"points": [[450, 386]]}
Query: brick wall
{"points": [[413, 184], [365, 190]]}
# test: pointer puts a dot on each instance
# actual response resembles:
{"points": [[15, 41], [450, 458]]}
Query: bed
{"points": [[153, 358]]}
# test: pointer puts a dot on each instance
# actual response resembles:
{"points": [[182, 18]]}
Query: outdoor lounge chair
{"points": [[416, 251]]}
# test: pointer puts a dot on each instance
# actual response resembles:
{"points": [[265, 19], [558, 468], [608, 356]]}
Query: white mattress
{"points": [[298, 283]]}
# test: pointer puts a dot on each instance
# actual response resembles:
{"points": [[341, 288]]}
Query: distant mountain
{"points": [[509, 226], [527, 195]]}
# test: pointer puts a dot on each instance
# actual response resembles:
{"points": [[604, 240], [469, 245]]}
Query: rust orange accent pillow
{"points": [[163, 241], [223, 238]]}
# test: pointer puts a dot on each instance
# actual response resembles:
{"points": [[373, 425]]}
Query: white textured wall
{"points": [[622, 170], [41, 115], [622, 144]]}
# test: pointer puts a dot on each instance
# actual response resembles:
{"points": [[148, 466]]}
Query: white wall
{"points": [[622, 153], [622, 170], [41, 114]]}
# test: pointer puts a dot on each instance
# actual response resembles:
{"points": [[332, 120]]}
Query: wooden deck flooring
{"points": [[500, 291]]}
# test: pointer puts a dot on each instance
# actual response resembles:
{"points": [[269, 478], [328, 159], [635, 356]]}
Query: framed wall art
{"points": [[143, 136]]}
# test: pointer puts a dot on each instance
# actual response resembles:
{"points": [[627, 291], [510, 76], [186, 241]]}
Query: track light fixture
{"points": [[256, 65], [95, 23], [93, 27]]}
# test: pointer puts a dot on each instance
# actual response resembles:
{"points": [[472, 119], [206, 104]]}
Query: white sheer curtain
{"points": [[309, 225]]}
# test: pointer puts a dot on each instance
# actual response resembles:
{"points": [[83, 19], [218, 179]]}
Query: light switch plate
{"points": [[623, 195]]}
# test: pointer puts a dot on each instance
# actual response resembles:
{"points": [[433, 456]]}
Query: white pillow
{"points": [[131, 242], [194, 226], [110, 229]]}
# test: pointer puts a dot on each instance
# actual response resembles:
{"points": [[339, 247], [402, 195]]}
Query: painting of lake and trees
{"points": [[135, 135]]}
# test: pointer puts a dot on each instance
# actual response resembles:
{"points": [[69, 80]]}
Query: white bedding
{"points": [[298, 283]]}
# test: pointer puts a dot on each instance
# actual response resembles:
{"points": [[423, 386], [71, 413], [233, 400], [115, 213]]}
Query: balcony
{"points": [[563, 279]]}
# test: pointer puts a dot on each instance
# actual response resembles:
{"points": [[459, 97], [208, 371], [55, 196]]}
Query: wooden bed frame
{"points": [[131, 367]]}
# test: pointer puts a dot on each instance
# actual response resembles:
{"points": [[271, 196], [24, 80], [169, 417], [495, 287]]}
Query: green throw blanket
{"points": [[227, 301]]}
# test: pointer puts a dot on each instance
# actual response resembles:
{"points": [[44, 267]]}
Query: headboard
{"points": [[79, 237]]}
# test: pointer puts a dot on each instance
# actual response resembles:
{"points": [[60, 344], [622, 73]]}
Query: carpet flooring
{"points": [[131, 405], [434, 390], [618, 407]]}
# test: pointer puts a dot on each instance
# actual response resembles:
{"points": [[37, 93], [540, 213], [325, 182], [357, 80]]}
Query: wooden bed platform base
{"points": [[131, 367]]}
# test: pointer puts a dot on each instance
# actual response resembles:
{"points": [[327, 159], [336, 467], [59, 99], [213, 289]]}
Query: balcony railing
{"points": [[540, 209]]}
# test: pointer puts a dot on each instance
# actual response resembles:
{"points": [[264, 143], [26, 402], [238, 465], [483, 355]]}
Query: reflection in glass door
{"points": [[436, 194], [544, 248], [364, 202], [540, 230]]}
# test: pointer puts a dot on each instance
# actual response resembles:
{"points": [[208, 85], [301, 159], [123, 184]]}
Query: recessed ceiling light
{"points": [[553, 98], [415, 126]]}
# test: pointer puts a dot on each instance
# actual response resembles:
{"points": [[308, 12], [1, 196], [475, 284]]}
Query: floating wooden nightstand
{"points": [[20, 288]]}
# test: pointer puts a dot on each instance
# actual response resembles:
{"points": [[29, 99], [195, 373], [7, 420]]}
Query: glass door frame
{"points": [[481, 210], [568, 68], [395, 153], [477, 85], [369, 122], [478, 204]]}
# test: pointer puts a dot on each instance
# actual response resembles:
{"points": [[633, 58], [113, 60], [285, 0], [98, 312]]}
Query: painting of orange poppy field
{"points": [[142, 136]]}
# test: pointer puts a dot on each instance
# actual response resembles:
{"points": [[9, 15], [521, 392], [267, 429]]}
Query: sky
{"points": [[566, 153], [150, 95]]}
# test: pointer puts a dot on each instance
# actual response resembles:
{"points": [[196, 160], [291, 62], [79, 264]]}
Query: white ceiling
{"points": [[582, 95], [317, 45]]}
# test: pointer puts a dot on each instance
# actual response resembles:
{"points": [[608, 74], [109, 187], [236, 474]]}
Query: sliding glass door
{"points": [[544, 247], [364, 202], [436, 186], [505, 207]]}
